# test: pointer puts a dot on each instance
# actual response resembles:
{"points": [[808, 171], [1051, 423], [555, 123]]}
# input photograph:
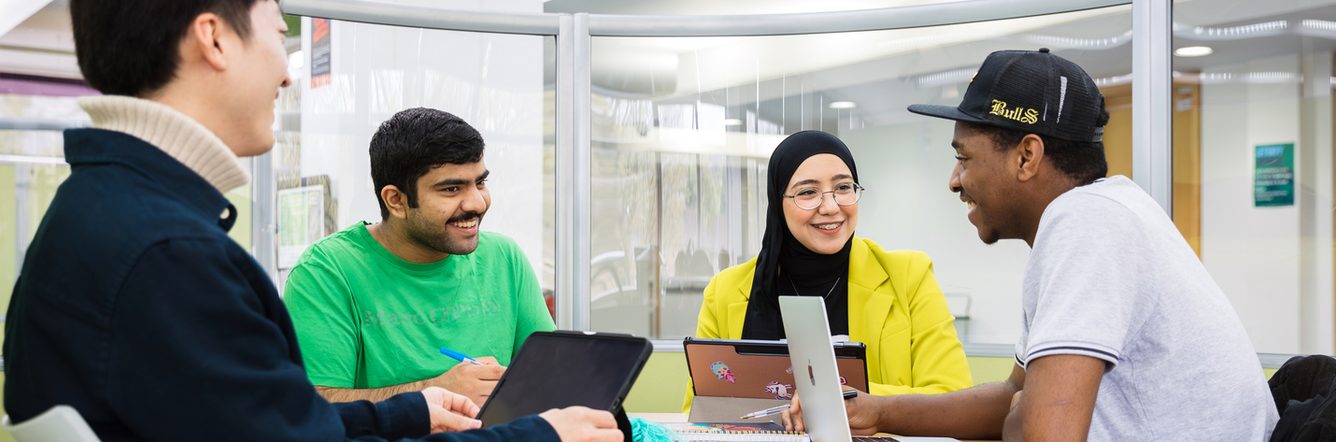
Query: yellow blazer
{"points": [[896, 309]]}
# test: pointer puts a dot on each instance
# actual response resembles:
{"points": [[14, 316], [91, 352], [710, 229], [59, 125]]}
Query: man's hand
{"points": [[862, 412], [450, 411], [580, 424], [475, 382], [793, 419]]}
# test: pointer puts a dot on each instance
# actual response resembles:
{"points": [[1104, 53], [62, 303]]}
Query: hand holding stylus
{"points": [[848, 394], [475, 378]]}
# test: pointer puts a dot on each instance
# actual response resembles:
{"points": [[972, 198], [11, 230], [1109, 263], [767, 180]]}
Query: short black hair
{"points": [[130, 47], [1083, 161], [413, 142]]}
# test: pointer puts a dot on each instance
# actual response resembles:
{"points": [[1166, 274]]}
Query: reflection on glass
{"points": [[34, 186], [499, 84], [32, 165], [683, 128], [1252, 79]]}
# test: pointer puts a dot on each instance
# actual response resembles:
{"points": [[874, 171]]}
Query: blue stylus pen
{"points": [[460, 356]]}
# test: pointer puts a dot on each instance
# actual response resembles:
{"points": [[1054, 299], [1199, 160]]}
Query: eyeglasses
{"points": [[845, 194]]}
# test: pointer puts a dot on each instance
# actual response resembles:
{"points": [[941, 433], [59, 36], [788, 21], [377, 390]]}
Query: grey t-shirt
{"points": [[1110, 277]]}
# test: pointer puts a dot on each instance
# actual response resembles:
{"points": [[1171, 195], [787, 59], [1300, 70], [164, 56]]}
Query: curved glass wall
{"points": [[682, 129]]}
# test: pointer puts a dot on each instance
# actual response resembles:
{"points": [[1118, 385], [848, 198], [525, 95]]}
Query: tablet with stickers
{"points": [[760, 369]]}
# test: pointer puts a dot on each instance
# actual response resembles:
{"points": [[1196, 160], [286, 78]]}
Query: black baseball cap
{"points": [[1031, 91]]}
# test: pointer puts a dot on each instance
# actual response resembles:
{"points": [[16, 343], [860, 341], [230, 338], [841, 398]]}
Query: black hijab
{"points": [[803, 271]]}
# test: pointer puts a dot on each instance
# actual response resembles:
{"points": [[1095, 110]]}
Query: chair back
{"points": [[1304, 391], [60, 423]]}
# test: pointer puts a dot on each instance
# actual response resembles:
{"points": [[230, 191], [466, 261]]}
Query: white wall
{"points": [[908, 206], [493, 81], [1252, 252]]}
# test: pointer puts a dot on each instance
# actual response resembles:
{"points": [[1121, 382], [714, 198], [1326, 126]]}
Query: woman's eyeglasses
{"points": [[845, 194]]}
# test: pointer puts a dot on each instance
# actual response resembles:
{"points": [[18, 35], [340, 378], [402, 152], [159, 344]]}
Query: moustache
{"points": [[464, 216]]}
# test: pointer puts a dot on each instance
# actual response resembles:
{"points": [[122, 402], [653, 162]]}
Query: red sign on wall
{"points": [[321, 63]]}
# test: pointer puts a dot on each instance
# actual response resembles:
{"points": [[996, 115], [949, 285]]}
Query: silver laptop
{"points": [[815, 375]]}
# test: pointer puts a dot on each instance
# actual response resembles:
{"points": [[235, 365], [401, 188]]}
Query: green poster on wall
{"points": [[1273, 175]]}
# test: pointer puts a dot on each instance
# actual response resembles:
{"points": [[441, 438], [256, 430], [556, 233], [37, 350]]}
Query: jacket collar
{"points": [[869, 302], [175, 133], [868, 308], [94, 147], [864, 269]]}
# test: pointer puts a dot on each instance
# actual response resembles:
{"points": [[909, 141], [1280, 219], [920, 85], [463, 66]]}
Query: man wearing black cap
{"points": [[1125, 335]]}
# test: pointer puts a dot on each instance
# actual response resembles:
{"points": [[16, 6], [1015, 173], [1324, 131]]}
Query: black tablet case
{"points": [[567, 368]]}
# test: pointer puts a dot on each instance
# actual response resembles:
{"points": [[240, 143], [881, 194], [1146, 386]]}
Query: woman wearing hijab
{"points": [[888, 300]]}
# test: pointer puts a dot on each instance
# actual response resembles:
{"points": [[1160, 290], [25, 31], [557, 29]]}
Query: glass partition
{"points": [[682, 130], [32, 163], [350, 77], [1253, 121], [32, 166], [33, 185]]}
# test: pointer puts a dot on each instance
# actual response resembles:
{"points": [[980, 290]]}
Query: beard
{"points": [[989, 238], [438, 236]]}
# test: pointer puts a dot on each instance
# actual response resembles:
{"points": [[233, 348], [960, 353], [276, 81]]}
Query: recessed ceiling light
{"points": [[732, 122], [843, 105], [1193, 51]]}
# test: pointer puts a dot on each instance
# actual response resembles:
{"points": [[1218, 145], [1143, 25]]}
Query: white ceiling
{"points": [[42, 43], [16, 11], [719, 7], [882, 71], [884, 68]]}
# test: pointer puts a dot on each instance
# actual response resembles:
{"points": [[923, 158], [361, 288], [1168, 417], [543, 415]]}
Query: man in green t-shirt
{"points": [[374, 303]]}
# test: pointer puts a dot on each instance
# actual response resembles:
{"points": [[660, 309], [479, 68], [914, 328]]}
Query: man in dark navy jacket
{"points": [[133, 305]]}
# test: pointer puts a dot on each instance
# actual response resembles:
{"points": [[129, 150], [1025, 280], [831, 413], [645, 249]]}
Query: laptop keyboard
{"points": [[874, 438]]}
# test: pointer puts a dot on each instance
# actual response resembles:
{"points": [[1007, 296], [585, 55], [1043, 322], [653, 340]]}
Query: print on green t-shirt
{"points": [[367, 319]]}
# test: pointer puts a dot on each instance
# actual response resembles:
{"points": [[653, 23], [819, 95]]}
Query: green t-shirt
{"points": [[367, 319]]}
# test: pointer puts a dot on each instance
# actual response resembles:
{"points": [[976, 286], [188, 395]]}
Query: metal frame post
{"points": [[1152, 78]]}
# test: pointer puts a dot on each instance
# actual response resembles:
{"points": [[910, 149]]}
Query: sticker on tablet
{"points": [[779, 390], [722, 371]]}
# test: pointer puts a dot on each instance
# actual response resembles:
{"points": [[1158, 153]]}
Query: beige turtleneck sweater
{"points": [[178, 135]]}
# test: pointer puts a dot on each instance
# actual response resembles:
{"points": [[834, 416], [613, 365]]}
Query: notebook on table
{"points": [[734, 432], [763, 432]]}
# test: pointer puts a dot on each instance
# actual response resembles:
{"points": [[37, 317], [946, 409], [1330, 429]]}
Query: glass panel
{"points": [[683, 129], [362, 74], [31, 166], [30, 186], [1252, 168]]}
